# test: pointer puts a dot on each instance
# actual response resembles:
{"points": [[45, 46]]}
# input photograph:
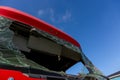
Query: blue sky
{"points": [[95, 24]]}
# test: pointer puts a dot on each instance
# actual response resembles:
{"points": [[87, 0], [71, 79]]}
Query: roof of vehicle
{"points": [[116, 74], [33, 21]]}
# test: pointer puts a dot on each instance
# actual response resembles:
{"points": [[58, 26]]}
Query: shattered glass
{"points": [[9, 54]]}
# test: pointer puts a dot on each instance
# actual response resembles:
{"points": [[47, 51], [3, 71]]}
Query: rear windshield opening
{"points": [[48, 55]]}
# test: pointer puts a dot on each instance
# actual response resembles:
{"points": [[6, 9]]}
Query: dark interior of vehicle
{"points": [[41, 49]]}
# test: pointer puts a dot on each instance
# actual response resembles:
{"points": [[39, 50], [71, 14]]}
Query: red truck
{"points": [[31, 49]]}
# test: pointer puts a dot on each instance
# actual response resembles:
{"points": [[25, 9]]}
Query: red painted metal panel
{"points": [[14, 75], [30, 20]]}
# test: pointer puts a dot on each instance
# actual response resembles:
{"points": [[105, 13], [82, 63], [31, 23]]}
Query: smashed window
{"points": [[9, 54]]}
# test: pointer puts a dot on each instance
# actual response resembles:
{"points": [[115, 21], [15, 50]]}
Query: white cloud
{"points": [[53, 16], [41, 12], [66, 17]]}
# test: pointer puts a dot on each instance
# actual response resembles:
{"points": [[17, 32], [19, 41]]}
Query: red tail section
{"points": [[15, 75]]}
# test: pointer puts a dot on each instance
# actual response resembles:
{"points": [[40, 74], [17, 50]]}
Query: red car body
{"points": [[74, 52]]}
